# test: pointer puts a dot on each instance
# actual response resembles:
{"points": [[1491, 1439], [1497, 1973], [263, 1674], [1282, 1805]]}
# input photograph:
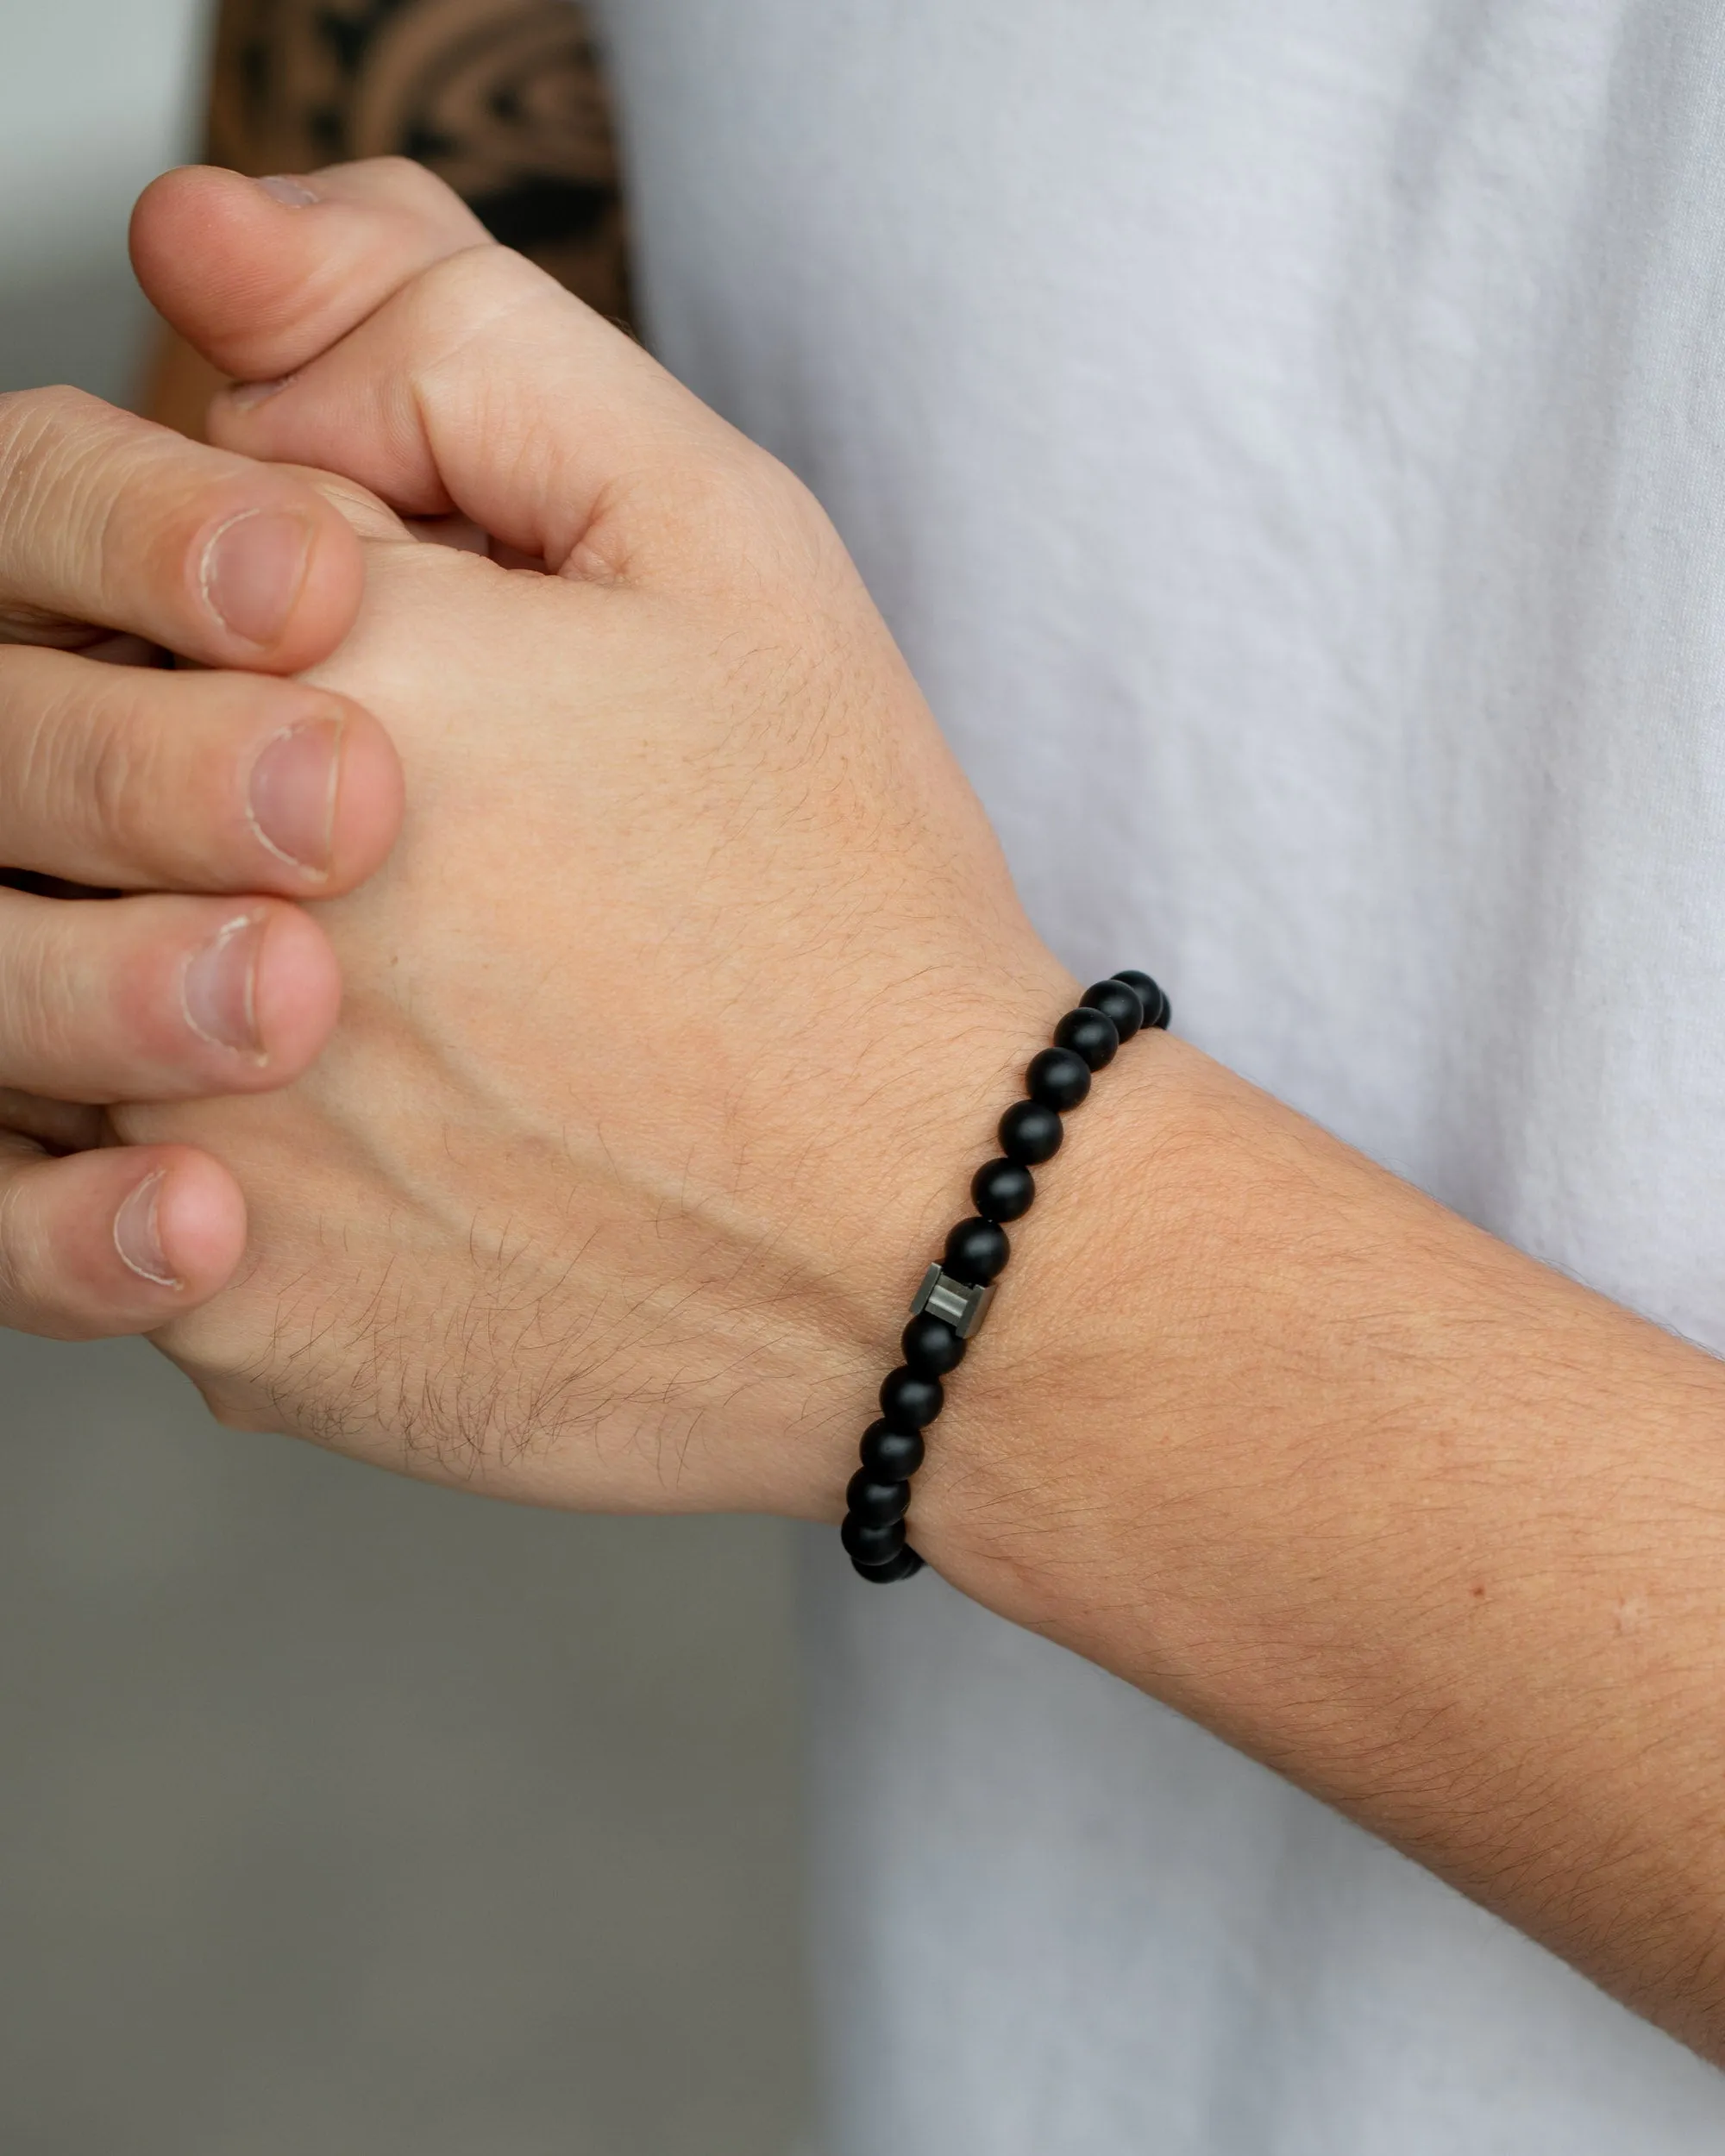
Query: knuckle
{"points": [[86, 769], [730, 516], [114, 785], [409, 181], [40, 493], [402, 186], [22, 1282], [460, 298], [49, 438], [41, 1031], [74, 474], [29, 419], [232, 1409], [204, 1342], [34, 748]]}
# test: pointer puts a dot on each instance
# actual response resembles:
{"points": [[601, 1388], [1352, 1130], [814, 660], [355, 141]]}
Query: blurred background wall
{"points": [[95, 97], [339, 1816]]}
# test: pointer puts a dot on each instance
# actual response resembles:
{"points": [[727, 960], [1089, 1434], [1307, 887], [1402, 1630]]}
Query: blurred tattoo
{"points": [[505, 99]]}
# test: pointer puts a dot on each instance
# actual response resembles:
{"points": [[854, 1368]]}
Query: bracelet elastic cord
{"points": [[957, 1289]]}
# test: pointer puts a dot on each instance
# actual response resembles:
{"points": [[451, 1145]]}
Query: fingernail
{"points": [[218, 989], [292, 794], [137, 1231], [252, 569], [283, 187], [244, 395]]}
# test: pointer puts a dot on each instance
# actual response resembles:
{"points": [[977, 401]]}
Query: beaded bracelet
{"points": [[948, 1307]]}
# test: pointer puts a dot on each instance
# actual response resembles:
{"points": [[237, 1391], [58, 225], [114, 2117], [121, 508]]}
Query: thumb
{"points": [[404, 349]]}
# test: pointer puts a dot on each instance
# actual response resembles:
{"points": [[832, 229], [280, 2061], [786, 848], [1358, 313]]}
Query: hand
{"points": [[675, 1020], [120, 542]]}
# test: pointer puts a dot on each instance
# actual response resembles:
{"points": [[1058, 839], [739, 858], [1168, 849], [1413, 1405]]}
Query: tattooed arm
{"points": [[505, 99]]}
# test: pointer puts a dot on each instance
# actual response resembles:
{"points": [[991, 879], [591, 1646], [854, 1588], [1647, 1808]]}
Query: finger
{"points": [[116, 1241], [263, 275], [160, 998], [131, 779], [483, 387], [475, 381], [107, 519]]}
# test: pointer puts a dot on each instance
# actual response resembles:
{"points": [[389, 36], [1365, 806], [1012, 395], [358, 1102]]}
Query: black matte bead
{"points": [[905, 1566], [870, 1545], [909, 1399], [889, 1455], [1001, 1190], [877, 1504], [976, 1252], [1031, 1133], [1090, 1034], [1157, 1010], [1118, 1000], [1057, 1078], [928, 1343]]}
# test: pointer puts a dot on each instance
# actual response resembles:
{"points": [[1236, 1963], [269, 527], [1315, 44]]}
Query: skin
{"points": [[675, 1025], [216, 800], [140, 782]]}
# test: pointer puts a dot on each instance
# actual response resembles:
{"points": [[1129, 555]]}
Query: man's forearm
{"points": [[1409, 1517]]}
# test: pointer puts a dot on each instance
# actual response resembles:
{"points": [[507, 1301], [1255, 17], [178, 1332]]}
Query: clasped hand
{"points": [[666, 1027]]}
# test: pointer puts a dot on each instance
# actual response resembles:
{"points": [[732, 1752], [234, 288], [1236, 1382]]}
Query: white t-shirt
{"points": [[1287, 437]]}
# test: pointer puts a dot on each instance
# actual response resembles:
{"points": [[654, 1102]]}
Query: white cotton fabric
{"points": [[1287, 437]]}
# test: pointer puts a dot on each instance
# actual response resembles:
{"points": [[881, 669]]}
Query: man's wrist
{"points": [[803, 1281], [1006, 1506]]}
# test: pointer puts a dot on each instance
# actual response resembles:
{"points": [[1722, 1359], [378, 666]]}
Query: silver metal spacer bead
{"points": [[962, 1307]]}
